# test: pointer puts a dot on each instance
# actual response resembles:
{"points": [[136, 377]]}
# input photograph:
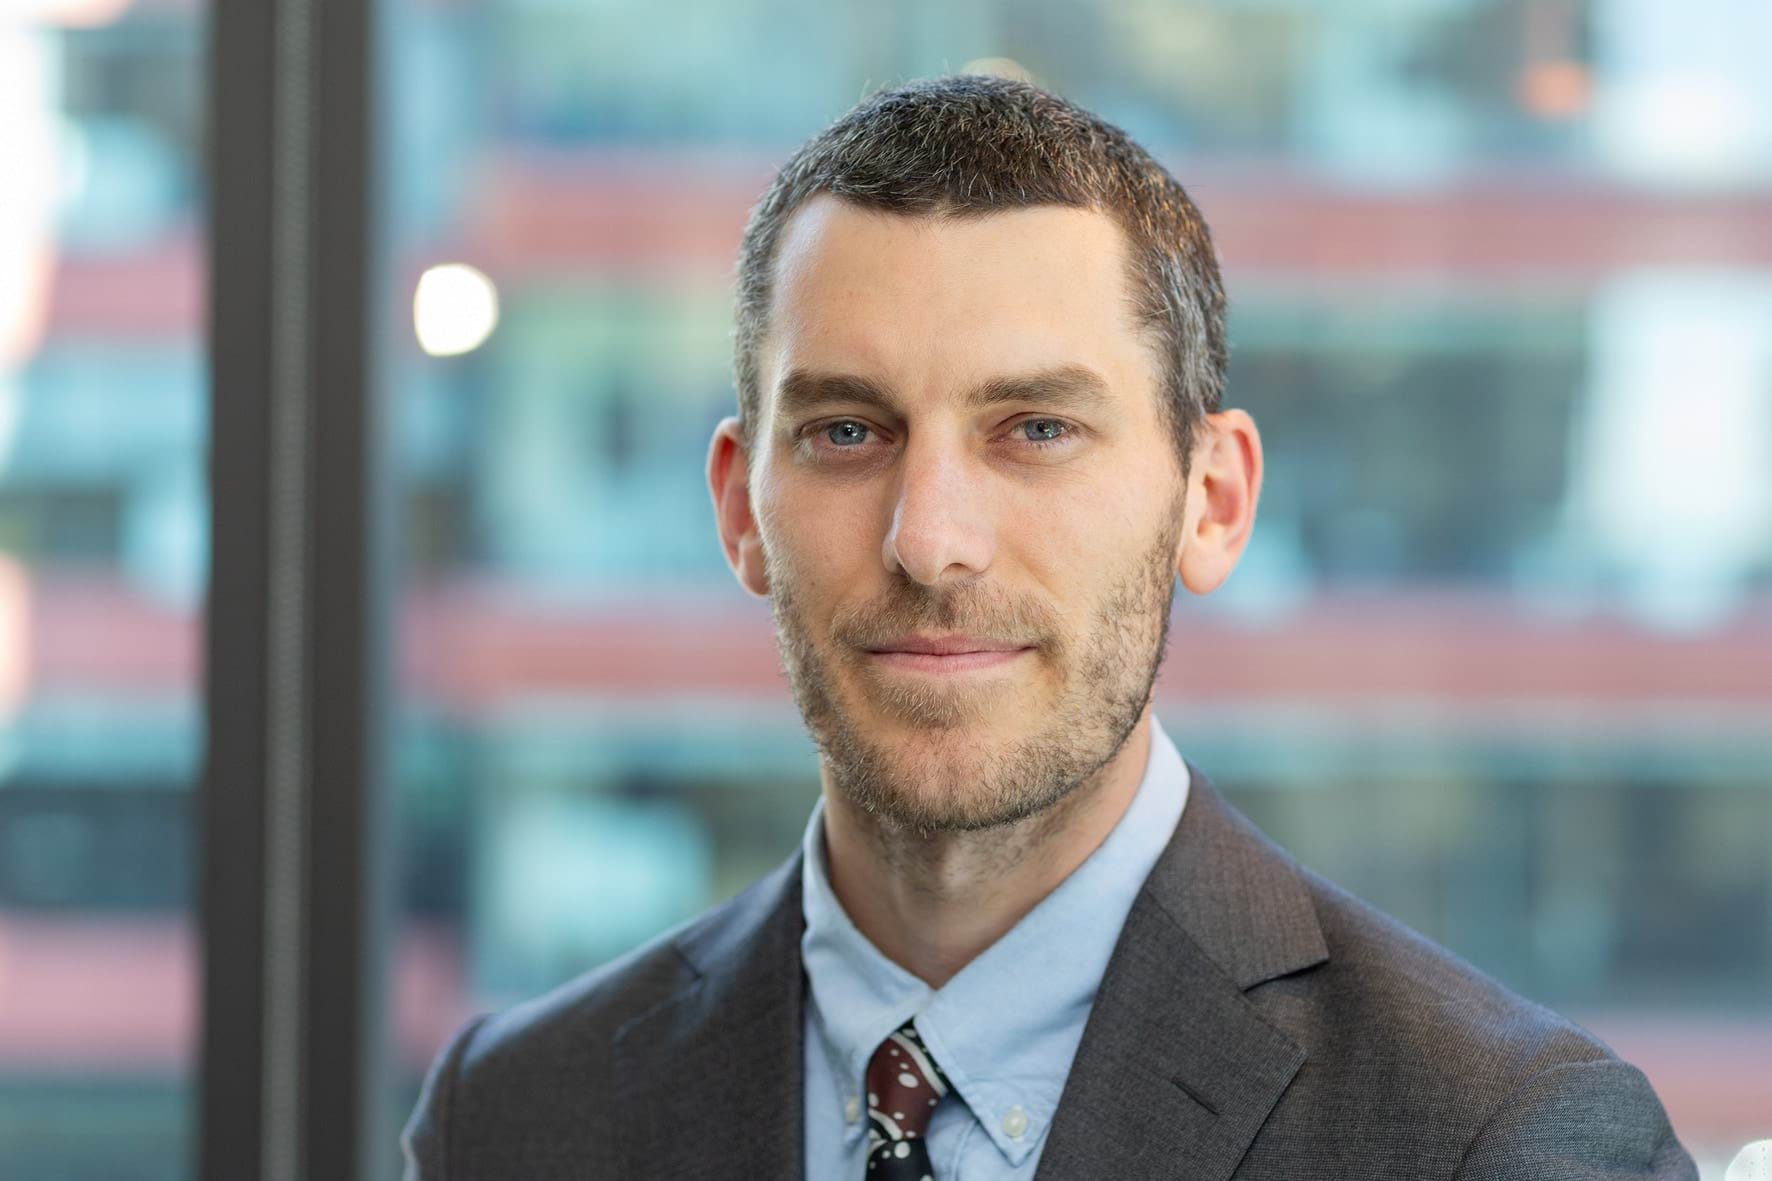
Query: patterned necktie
{"points": [[904, 1085]]}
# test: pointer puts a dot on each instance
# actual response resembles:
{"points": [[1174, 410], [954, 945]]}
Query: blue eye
{"points": [[1058, 430], [856, 429], [848, 434]]}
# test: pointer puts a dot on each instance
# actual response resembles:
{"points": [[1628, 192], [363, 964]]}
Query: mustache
{"points": [[973, 610]]}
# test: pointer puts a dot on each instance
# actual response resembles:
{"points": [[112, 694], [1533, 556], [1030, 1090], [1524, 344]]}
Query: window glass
{"points": [[103, 557], [1501, 289]]}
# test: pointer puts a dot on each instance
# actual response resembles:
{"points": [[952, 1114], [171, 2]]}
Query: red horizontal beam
{"points": [[159, 293], [474, 643], [1713, 1074], [567, 212], [553, 216], [87, 993]]}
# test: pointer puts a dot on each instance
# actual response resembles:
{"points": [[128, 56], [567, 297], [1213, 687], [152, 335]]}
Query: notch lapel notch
{"points": [[1178, 1069], [711, 1080]]}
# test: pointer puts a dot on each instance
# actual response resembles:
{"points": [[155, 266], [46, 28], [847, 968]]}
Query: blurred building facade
{"points": [[1499, 657]]}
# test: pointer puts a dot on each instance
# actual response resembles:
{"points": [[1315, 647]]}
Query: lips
{"points": [[946, 655]]}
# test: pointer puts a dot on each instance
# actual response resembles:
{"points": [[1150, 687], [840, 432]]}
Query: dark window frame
{"points": [[293, 895]]}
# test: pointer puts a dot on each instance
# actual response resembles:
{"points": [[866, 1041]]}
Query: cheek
{"points": [[1078, 539], [825, 540], [1081, 556]]}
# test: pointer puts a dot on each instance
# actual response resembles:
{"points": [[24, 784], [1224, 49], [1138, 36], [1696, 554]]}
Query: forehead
{"points": [[932, 305]]}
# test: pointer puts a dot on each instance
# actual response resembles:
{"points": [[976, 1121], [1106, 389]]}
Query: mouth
{"points": [[946, 654]]}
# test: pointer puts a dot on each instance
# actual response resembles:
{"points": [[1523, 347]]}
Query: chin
{"points": [[936, 712]]}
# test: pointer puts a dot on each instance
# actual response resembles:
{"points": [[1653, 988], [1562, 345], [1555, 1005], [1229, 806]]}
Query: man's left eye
{"points": [[1043, 430]]}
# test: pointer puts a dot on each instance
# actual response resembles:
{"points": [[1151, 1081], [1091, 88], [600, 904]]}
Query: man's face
{"points": [[960, 443]]}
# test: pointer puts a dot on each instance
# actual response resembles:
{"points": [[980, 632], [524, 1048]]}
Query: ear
{"points": [[1223, 488], [729, 484]]}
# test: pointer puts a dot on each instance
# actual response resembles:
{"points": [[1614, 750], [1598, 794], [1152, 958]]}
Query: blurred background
{"points": [[1499, 658]]}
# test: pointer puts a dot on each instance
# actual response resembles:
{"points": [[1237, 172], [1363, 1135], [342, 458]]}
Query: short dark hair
{"points": [[969, 145]]}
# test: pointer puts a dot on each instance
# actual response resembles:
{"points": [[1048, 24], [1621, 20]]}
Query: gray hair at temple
{"points": [[971, 145]]}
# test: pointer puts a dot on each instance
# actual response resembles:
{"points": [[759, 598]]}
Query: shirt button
{"points": [[851, 1109], [1015, 1123]]}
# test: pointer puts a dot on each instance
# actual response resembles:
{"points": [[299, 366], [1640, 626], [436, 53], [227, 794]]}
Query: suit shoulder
{"points": [[506, 1081], [1402, 996], [581, 1018], [1413, 1052], [1416, 1063], [516, 1089]]}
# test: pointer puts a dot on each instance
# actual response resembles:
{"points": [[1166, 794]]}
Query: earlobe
{"points": [[753, 571]]}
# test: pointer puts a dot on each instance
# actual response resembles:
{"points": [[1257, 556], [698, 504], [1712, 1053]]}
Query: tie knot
{"points": [[904, 1085]]}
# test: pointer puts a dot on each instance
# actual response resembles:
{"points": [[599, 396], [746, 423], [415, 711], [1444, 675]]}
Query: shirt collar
{"points": [[1006, 1027]]}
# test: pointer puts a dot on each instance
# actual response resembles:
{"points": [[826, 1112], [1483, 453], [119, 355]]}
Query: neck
{"points": [[932, 904]]}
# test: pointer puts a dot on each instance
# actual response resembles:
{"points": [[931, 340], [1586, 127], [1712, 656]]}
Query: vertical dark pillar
{"points": [[291, 904]]}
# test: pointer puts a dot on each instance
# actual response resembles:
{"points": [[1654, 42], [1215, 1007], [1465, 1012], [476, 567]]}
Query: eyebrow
{"points": [[1063, 387]]}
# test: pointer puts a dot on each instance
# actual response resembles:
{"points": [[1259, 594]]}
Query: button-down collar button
{"points": [[1015, 1123], [852, 1109]]}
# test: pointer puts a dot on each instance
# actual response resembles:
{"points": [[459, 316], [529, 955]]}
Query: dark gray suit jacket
{"points": [[1255, 1021]]}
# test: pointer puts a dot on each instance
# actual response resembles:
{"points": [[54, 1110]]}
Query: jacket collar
{"points": [[709, 1083], [1176, 1071]]}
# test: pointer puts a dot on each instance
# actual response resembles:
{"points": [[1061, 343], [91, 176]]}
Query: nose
{"points": [[941, 525]]}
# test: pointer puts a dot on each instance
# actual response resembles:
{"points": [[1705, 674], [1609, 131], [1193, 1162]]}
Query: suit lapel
{"points": [[1177, 1070], [709, 1083], [1175, 1074]]}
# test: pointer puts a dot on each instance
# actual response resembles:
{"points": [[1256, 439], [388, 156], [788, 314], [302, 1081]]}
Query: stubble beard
{"points": [[946, 775]]}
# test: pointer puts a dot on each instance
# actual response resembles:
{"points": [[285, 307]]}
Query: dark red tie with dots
{"points": [[904, 1085]]}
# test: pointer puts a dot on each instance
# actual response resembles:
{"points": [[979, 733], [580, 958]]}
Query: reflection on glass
{"points": [[102, 560], [1495, 658]]}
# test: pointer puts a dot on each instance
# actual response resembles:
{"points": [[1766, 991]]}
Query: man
{"points": [[980, 352]]}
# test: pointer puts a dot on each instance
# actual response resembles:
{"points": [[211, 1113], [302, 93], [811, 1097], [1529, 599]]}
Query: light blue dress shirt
{"points": [[1004, 1029]]}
